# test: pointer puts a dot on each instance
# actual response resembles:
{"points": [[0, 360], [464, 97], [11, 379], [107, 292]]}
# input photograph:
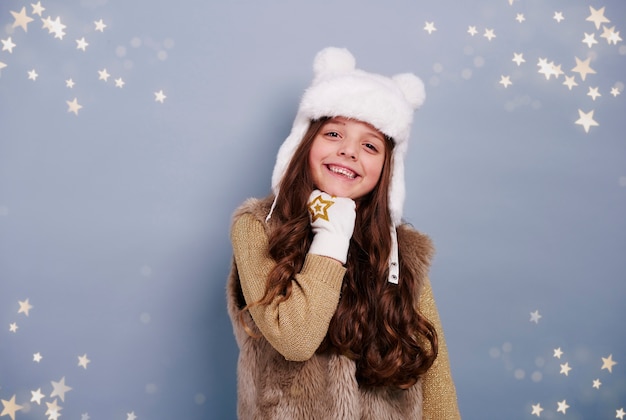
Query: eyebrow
{"points": [[335, 120]]}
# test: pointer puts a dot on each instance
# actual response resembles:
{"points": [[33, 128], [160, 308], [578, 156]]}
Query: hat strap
{"points": [[394, 266], [269, 215]]}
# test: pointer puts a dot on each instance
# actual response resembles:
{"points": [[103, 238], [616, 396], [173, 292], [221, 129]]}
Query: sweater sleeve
{"points": [[294, 327], [439, 393]]}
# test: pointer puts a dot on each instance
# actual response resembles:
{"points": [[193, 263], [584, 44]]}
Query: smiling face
{"points": [[347, 157]]}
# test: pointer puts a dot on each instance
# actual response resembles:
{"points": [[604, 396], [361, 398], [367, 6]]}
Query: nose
{"points": [[348, 149]]}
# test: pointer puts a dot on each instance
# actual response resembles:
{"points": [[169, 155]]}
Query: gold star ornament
{"points": [[319, 208]]}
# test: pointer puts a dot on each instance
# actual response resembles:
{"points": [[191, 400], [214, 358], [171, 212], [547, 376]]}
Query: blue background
{"points": [[114, 221]]}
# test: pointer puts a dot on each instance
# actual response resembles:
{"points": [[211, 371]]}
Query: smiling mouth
{"points": [[339, 170]]}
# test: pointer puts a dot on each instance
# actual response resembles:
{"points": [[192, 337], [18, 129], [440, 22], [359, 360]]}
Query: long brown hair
{"points": [[376, 323]]}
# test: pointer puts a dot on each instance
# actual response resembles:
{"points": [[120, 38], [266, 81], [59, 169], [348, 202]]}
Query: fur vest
{"points": [[325, 386]]}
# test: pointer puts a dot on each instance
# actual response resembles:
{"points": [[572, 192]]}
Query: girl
{"points": [[328, 294]]}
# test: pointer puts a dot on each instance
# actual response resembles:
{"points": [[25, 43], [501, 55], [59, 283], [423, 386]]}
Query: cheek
{"points": [[375, 167]]}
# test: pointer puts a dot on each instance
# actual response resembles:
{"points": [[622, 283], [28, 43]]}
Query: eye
{"points": [[371, 147], [333, 134]]}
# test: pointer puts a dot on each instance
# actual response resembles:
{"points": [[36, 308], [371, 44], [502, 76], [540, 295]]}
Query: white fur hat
{"points": [[340, 89]]}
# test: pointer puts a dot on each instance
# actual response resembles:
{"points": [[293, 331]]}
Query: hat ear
{"points": [[333, 60], [412, 87]]}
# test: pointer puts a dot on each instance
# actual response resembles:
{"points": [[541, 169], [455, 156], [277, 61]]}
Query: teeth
{"points": [[342, 171]]}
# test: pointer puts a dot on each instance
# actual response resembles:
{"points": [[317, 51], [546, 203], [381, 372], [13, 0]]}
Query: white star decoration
{"points": [[534, 317], [83, 361], [100, 25], [430, 27], [103, 75], [565, 368], [597, 17], [558, 16], [505, 81], [8, 45], [54, 410], [10, 408], [549, 69], [73, 106], [36, 396], [518, 58], [37, 8], [619, 414], [562, 406], [536, 410], [21, 19], [25, 307], [583, 68], [159, 96], [608, 363], [558, 353], [59, 389], [593, 92], [56, 27], [612, 37], [590, 39], [586, 120], [81, 44], [570, 82]]}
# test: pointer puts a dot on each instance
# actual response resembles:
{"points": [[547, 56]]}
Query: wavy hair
{"points": [[376, 323]]}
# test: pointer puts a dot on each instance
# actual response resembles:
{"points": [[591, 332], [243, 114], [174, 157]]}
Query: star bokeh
{"points": [[129, 132]]}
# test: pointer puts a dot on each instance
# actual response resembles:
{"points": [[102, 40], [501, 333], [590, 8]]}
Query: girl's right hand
{"points": [[332, 221]]}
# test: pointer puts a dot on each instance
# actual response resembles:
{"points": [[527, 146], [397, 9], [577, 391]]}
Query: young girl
{"points": [[329, 297]]}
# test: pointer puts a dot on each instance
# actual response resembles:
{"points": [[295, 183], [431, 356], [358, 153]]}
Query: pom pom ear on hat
{"points": [[333, 60], [412, 87]]}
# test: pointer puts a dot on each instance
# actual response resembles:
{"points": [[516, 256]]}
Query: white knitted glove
{"points": [[332, 221]]}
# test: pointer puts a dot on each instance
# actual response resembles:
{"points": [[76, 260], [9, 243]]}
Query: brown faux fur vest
{"points": [[325, 386]]}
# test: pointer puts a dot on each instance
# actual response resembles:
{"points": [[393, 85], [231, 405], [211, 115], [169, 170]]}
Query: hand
{"points": [[332, 221]]}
